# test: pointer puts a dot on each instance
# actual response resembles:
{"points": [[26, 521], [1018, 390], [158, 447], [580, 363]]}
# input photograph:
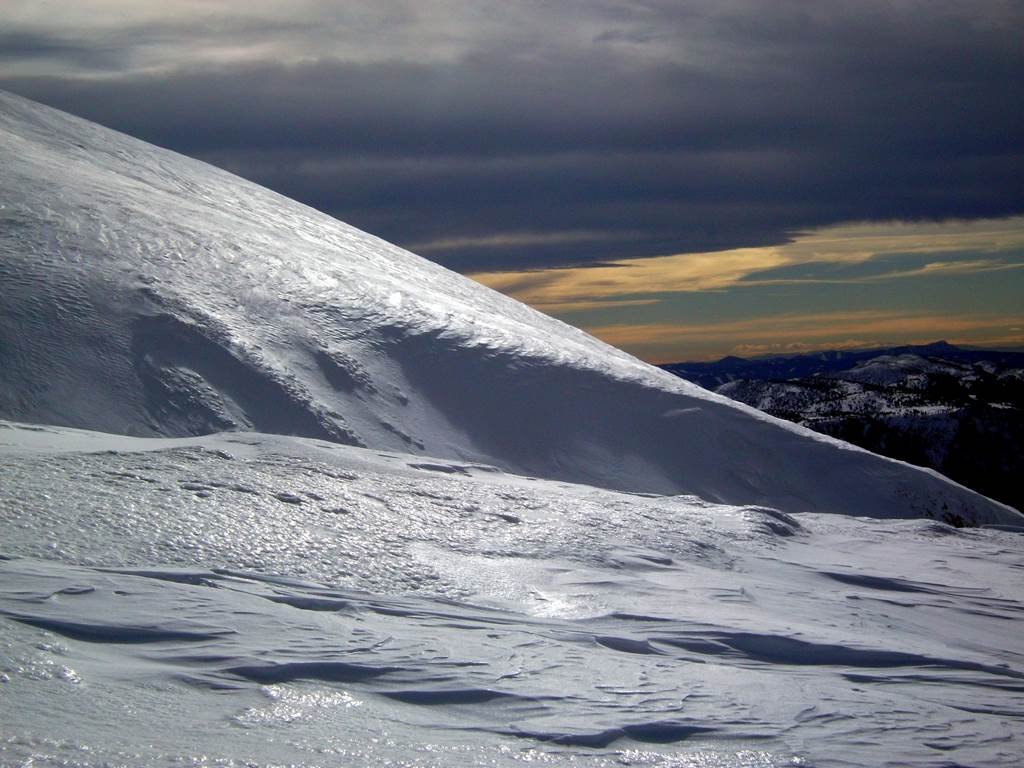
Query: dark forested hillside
{"points": [[959, 411]]}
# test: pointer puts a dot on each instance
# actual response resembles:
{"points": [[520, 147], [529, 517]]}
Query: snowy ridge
{"points": [[145, 293]]}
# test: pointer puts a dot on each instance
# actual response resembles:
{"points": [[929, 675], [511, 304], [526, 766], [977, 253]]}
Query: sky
{"points": [[683, 178]]}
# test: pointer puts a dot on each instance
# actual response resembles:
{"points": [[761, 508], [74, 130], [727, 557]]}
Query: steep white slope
{"points": [[145, 293], [260, 600]]}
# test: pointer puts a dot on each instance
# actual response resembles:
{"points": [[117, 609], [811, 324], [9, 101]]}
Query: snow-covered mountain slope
{"points": [[253, 600], [145, 293]]}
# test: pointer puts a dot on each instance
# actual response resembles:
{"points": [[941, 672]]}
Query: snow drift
{"points": [[144, 293]]}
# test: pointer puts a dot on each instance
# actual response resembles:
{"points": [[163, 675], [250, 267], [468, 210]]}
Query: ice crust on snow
{"points": [[146, 293]]}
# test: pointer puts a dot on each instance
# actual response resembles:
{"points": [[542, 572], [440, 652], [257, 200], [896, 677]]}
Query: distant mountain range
{"points": [[957, 410]]}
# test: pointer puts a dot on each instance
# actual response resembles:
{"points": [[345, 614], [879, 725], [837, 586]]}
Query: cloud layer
{"points": [[841, 286], [510, 135]]}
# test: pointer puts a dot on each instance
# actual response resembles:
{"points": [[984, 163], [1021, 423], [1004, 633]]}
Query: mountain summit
{"points": [[149, 294]]}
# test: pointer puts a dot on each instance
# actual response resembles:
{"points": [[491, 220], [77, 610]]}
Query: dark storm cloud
{"points": [[670, 127], [19, 46]]}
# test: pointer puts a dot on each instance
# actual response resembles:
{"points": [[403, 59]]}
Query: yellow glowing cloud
{"points": [[564, 290], [684, 272]]}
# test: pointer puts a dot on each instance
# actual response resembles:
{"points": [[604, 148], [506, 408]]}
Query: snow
{"points": [[907, 370], [249, 599], [275, 492]]}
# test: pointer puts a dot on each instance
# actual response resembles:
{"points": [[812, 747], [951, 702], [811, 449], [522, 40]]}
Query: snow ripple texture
{"points": [[145, 293], [263, 600]]}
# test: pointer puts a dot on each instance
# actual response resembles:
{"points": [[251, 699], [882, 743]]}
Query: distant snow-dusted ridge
{"points": [[145, 293]]}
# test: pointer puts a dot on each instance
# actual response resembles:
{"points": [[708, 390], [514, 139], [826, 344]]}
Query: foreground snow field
{"points": [[684, 582], [246, 599]]}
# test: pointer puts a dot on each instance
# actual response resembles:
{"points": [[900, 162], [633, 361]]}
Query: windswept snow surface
{"points": [[254, 600], [145, 293]]}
